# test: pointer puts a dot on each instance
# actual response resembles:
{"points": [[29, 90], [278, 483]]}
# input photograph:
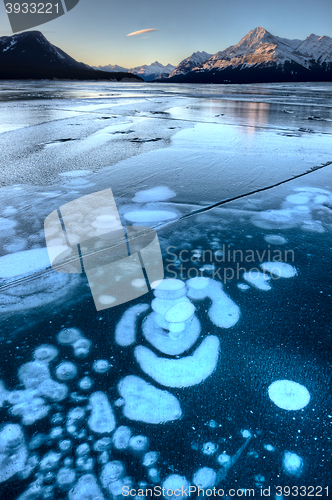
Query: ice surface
{"points": [[183, 372], [289, 395], [146, 403]]}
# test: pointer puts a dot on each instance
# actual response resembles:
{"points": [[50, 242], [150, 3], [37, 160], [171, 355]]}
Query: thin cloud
{"points": [[141, 32]]}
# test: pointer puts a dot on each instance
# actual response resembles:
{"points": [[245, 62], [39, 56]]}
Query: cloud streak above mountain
{"points": [[134, 33]]}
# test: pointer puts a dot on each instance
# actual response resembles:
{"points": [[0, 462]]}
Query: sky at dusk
{"points": [[95, 31]]}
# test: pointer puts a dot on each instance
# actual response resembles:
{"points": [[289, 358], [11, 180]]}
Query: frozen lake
{"points": [[221, 377]]}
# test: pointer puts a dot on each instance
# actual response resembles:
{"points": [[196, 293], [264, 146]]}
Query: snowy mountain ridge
{"points": [[148, 72], [260, 50]]}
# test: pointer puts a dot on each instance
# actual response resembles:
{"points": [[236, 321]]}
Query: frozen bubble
{"points": [[257, 279], [243, 286], [153, 475], [161, 306], [275, 239], [209, 448], [279, 269], [26, 262], [111, 472], [86, 489], [313, 226], [53, 390], [139, 443], [66, 371], [13, 451], [197, 283], [56, 433], [175, 482], [103, 444], [168, 288], [269, 447], [85, 383], [298, 199], [205, 478], [223, 312], [101, 366], [271, 219], [82, 348], [83, 449], [183, 372], [139, 283], [45, 353], [321, 199], [224, 459], [180, 312], [65, 478], [246, 433], [69, 336], [302, 208], [292, 464], [146, 403], [289, 395], [125, 330], [102, 419], [32, 374], [121, 437], [106, 300], [158, 193], [175, 329], [149, 215], [150, 458], [50, 461], [37, 441]]}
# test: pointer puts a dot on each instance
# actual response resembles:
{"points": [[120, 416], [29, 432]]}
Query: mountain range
{"points": [[261, 57], [30, 55], [149, 72], [258, 57]]}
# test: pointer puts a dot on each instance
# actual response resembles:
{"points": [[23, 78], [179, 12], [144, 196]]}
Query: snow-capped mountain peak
{"points": [[316, 47], [190, 63]]}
